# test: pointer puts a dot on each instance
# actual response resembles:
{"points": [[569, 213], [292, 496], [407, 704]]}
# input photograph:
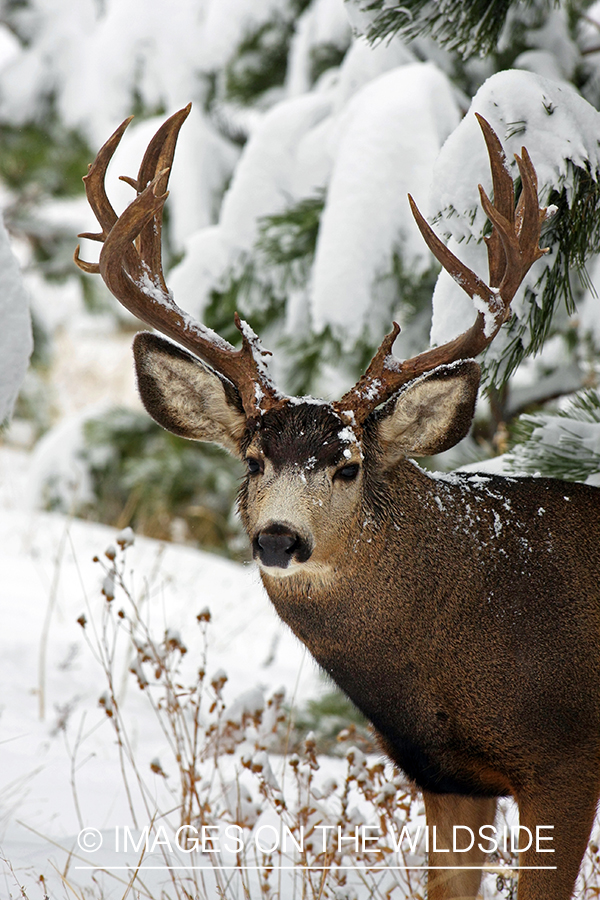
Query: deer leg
{"points": [[570, 809], [444, 812]]}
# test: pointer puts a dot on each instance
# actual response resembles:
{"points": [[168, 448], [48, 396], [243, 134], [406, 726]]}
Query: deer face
{"points": [[303, 499], [303, 489]]}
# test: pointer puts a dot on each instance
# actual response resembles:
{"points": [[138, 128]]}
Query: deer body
{"points": [[444, 635], [441, 650], [461, 614]]}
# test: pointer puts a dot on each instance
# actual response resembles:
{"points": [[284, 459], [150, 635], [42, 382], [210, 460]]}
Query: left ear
{"points": [[430, 414]]}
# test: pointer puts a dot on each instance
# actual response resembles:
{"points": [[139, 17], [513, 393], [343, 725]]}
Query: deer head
{"points": [[306, 459]]}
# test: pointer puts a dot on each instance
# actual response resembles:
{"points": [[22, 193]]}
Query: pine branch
{"points": [[565, 445], [471, 27], [573, 234]]}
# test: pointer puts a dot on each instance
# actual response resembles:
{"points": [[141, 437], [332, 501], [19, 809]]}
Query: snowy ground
{"points": [[60, 763], [52, 683]]}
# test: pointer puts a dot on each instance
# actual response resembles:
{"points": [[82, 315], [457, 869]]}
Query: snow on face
{"points": [[308, 435]]}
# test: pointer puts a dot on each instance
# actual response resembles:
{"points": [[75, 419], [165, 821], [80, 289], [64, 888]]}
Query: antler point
{"points": [[132, 182]]}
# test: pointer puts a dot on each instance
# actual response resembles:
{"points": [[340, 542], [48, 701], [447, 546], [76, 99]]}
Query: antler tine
{"points": [[131, 265], [520, 243], [513, 247], [157, 161], [94, 180], [529, 216], [504, 202], [158, 158], [96, 195]]}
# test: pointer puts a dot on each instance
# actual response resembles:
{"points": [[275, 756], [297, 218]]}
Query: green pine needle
{"points": [[471, 27], [573, 235], [565, 445]]}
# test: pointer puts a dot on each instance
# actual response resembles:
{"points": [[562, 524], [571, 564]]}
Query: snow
{"points": [[360, 15], [555, 54], [385, 142], [16, 341], [263, 180], [363, 63], [48, 581], [9, 46], [347, 436], [315, 401], [90, 52], [323, 22], [202, 269], [58, 476], [204, 164], [263, 184], [228, 22]]}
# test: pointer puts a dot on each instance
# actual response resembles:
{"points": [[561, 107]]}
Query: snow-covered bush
{"points": [[15, 331], [565, 444], [311, 122], [118, 467]]}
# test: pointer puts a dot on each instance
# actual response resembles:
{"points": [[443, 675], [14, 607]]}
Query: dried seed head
{"points": [[105, 701], [156, 767], [108, 587], [125, 538], [218, 681]]}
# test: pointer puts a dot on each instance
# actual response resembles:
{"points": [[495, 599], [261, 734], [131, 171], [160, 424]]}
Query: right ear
{"points": [[185, 396]]}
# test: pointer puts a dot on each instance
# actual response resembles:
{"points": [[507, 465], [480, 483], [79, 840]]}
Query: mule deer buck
{"points": [[461, 614]]}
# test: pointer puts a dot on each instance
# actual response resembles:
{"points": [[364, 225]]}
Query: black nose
{"points": [[277, 544]]}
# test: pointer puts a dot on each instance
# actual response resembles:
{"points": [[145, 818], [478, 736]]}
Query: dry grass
{"points": [[230, 765]]}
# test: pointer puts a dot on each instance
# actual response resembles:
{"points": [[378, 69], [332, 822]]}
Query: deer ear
{"points": [[430, 414], [185, 396]]}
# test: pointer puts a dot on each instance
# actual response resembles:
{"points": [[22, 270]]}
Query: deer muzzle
{"points": [[278, 544]]}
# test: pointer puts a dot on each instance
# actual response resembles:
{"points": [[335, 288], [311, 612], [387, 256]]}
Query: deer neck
{"points": [[398, 547]]}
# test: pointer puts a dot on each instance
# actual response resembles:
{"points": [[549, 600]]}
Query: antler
{"points": [[513, 247], [131, 265]]}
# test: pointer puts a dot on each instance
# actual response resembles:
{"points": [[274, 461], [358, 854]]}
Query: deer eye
{"points": [[255, 466], [348, 473]]}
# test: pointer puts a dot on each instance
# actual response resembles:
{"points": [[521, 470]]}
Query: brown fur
{"points": [[460, 614]]}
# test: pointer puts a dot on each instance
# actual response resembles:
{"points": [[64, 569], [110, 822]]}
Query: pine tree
{"points": [[318, 134], [560, 40]]}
